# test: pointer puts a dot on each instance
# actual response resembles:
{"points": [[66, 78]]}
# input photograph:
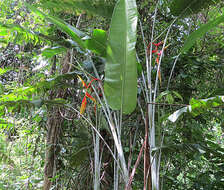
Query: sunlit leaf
{"points": [[121, 69], [18, 34]]}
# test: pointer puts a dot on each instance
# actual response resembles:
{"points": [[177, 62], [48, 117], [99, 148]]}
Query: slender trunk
{"points": [[54, 123], [53, 132]]}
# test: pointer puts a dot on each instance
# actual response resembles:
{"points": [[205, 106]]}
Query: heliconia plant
{"points": [[158, 52], [120, 82]]}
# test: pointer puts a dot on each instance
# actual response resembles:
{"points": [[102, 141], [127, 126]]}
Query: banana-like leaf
{"points": [[201, 32], [121, 69], [74, 33], [197, 107]]}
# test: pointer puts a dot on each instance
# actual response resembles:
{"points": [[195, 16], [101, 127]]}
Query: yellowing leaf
{"points": [[83, 83]]}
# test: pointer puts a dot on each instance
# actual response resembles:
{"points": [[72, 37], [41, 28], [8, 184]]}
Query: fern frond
{"points": [[17, 34]]}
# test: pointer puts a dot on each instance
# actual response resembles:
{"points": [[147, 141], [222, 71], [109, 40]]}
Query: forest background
{"points": [[106, 94]]}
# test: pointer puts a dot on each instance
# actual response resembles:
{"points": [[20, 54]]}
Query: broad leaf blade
{"points": [[121, 69], [201, 32], [97, 43]]}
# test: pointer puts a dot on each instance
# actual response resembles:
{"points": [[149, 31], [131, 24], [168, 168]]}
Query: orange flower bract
{"points": [[84, 100]]}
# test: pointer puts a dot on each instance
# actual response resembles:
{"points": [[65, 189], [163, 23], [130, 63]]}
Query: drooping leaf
{"points": [[121, 69], [96, 7], [177, 114], [187, 147], [178, 95], [187, 7], [201, 32], [197, 107], [170, 99], [50, 52], [97, 43], [162, 94], [74, 33]]}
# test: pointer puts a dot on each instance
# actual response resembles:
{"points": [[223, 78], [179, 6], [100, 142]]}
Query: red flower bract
{"points": [[84, 100]]}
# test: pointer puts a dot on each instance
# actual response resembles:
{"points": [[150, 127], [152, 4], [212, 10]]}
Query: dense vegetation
{"points": [[112, 94]]}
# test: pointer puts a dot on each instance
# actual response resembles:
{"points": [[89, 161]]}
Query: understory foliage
{"points": [[118, 94]]}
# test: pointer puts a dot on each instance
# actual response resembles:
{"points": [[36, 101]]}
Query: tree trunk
{"points": [[53, 132], [54, 123]]}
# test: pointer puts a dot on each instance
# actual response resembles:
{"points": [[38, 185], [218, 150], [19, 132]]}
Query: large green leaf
{"points": [[74, 33], [121, 69], [200, 32]]}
